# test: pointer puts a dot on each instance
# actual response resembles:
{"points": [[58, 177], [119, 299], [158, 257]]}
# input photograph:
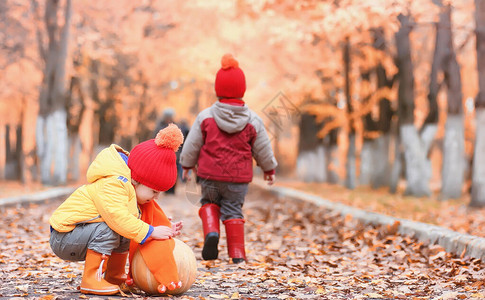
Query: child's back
{"points": [[223, 140], [222, 143]]}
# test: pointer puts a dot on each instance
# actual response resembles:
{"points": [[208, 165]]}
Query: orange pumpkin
{"points": [[186, 267]]}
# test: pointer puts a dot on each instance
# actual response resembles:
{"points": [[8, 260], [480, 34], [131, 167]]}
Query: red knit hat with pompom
{"points": [[152, 163], [230, 79]]}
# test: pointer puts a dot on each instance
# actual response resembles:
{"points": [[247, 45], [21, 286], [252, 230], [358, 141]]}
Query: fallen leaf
{"points": [[374, 295], [478, 296], [221, 296], [23, 288]]}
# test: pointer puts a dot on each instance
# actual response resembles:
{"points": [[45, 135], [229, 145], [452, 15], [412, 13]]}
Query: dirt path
{"points": [[295, 251]]}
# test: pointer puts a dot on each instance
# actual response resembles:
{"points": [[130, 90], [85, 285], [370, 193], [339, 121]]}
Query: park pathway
{"points": [[295, 251]]}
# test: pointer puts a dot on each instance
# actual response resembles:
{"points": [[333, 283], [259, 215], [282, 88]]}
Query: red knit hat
{"points": [[230, 80], [152, 163]]}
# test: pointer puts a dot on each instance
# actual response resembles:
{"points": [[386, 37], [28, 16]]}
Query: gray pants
{"points": [[228, 195], [73, 245]]}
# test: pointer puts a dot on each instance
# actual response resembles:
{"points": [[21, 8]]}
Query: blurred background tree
{"points": [[379, 93]]}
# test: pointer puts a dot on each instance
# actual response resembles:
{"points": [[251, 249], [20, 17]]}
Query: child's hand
{"points": [[269, 178], [185, 174], [177, 227], [162, 233]]}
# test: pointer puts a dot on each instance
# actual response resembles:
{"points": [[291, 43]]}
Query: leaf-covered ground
{"points": [[295, 251], [453, 214]]}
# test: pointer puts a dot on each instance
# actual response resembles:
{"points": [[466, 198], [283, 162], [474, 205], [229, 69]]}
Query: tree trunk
{"points": [[310, 164], [397, 165], [29, 171], [108, 121], [365, 176], [350, 164], [478, 168], [103, 126], [370, 128], [81, 119], [453, 171], [418, 167], [381, 163], [44, 147], [414, 147], [13, 154], [76, 109], [52, 137], [331, 157], [436, 68], [18, 152], [453, 158], [478, 172], [381, 153]]}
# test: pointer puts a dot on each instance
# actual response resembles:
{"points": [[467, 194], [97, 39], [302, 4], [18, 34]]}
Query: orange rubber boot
{"points": [[115, 270], [235, 239], [93, 282]]}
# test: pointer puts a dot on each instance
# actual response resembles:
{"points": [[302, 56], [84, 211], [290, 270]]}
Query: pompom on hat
{"points": [[230, 80], [153, 162]]}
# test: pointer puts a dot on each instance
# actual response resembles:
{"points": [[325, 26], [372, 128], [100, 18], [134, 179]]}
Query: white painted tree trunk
{"points": [[61, 147], [453, 170], [366, 163], [51, 131], [52, 147], [478, 172], [44, 130], [380, 164], [311, 165], [418, 166], [350, 165]]}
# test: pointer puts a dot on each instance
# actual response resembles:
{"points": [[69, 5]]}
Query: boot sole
{"points": [[100, 292], [238, 260], [210, 251]]}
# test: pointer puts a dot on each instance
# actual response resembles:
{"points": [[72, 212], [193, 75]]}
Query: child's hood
{"points": [[230, 118], [108, 163]]}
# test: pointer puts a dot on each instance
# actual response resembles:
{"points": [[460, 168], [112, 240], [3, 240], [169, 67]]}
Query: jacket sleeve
{"points": [[192, 145], [111, 200], [261, 150]]}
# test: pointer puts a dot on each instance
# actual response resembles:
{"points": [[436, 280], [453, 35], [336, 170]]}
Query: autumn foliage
{"points": [[338, 61]]}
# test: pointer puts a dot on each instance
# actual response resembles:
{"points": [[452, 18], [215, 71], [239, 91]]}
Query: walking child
{"points": [[221, 145], [98, 220]]}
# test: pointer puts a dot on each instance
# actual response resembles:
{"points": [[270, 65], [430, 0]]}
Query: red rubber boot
{"points": [[235, 239], [210, 214]]}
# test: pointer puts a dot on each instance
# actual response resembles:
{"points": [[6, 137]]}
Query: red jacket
{"points": [[223, 141]]}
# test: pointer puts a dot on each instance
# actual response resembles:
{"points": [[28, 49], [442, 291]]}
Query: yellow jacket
{"points": [[108, 197]]}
